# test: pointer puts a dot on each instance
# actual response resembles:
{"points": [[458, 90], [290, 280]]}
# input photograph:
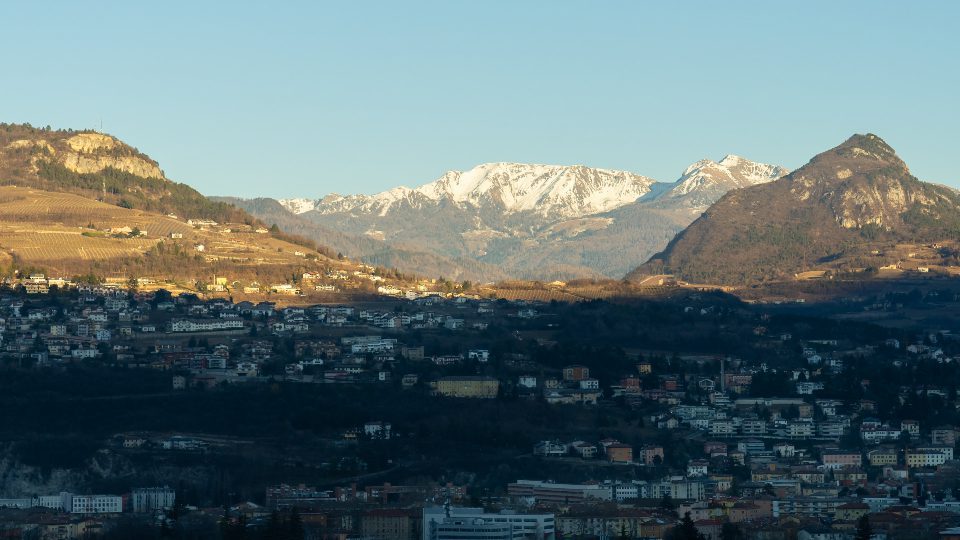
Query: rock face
{"points": [[87, 143], [87, 153], [94, 152], [20, 481], [536, 221], [82, 164], [845, 203], [96, 165]]}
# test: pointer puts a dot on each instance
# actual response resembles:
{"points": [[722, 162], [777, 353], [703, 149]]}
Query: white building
{"points": [[480, 355], [722, 428], [377, 430], [374, 346], [92, 504], [83, 353], [799, 429], [697, 467], [205, 325], [624, 491], [752, 427], [550, 449], [455, 523], [808, 388], [589, 384], [678, 488], [527, 381]]}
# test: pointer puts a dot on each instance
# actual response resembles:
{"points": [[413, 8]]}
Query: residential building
{"points": [[651, 454], [943, 436], [619, 453], [841, 459], [576, 373], [550, 449], [205, 325], [882, 456], [752, 427], [927, 456]]}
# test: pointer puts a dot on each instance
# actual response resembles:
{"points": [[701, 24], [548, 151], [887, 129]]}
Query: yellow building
{"points": [[468, 387], [851, 511], [881, 457]]}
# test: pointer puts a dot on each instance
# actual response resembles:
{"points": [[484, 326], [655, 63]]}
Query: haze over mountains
{"points": [[524, 221], [855, 208]]}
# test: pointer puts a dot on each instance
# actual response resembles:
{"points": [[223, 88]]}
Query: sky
{"points": [[302, 99]]}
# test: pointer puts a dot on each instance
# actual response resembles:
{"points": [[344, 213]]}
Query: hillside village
{"points": [[798, 437], [480, 271]]}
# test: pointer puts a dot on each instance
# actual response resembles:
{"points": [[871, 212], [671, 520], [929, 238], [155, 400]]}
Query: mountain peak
{"points": [[860, 156], [705, 181], [869, 141], [824, 215], [731, 160]]}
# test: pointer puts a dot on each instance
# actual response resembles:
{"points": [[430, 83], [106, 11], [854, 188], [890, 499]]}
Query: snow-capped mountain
{"points": [[547, 190], [705, 181], [537, 221], [299, 206]]}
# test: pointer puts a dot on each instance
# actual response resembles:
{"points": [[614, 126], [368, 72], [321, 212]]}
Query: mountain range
{"points": [[79, 202], [852, 209], [514, 220]]}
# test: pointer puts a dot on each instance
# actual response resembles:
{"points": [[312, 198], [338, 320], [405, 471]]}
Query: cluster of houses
{"points": [[609, 449], [216, 341], [72, 515], [140, 500], [799, 461]]}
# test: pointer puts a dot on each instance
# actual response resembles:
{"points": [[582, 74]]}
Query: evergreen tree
{"points": [[274, 529], [295, 526], [730, 531], [864, 531], [686, 530]]}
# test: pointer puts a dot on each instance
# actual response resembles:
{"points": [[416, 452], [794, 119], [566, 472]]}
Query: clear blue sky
{"points": [[284, 99]]}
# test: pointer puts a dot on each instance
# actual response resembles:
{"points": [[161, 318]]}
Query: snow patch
{"points": [[298, 206]]}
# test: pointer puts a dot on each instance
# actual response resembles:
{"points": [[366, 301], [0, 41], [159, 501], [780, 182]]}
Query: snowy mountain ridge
{"points": [[537, 221], [552, 191], [548, 190], [705, 181]]}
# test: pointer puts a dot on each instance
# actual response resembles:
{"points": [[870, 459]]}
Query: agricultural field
{"points": [[61, 230], [537, 295], [33, 206], [52, 245]]}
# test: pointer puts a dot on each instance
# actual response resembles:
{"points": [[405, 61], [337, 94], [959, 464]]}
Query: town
{"points": [[443, 415]]}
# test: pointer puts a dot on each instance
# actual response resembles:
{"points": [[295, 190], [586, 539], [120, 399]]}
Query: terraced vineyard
{"points": [[537, 295], [56, 246], [21, 205], [67, 232]]}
